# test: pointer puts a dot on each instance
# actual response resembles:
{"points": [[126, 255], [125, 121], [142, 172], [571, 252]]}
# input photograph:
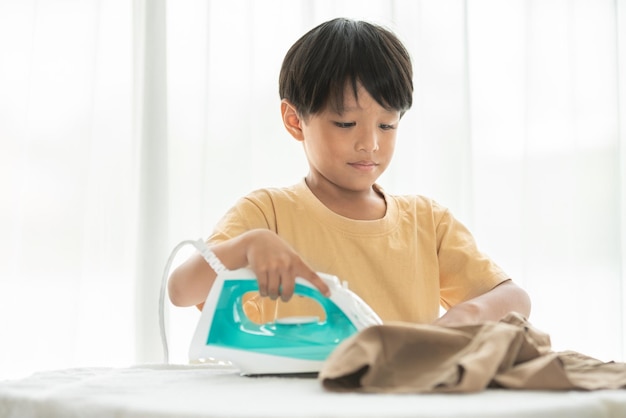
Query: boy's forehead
{"points": [[351, 100]]}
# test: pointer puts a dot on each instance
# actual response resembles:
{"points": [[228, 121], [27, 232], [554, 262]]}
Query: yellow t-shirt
{"points": [[403, 265]]}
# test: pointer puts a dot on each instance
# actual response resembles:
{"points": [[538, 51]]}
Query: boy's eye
{"points": [[345, 124], [383, 126]]}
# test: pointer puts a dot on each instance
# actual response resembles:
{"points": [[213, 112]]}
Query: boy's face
{"points": [[351, 149]]}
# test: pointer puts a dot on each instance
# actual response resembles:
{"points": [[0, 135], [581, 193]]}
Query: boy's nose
{"points": [[367, 141]]}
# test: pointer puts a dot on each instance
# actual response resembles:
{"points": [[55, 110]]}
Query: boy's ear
{"points": [[291, 119]]}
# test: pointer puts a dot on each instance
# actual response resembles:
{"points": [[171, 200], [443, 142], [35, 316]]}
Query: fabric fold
{"points": [[404, 357]]}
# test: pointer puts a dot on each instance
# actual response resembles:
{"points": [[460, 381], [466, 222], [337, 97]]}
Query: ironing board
{"points": [[181, 391]]}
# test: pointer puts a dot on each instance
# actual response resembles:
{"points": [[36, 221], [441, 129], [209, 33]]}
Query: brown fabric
{"points": [[402, 357]]}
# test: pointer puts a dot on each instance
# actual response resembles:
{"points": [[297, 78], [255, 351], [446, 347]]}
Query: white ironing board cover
{"points": [[220, 391]]}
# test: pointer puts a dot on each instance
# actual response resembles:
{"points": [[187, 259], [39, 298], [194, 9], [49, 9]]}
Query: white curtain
{"points": [[126, 128], [68, 185]]}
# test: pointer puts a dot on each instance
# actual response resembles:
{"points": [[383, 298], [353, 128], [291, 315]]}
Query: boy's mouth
{"points": [[363, 165]]}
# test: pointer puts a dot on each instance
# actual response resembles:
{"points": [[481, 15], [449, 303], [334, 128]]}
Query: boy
{"points": [[344, 87]]}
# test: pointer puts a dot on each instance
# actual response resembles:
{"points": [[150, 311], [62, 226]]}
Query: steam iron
{"points": [[292, 345]]}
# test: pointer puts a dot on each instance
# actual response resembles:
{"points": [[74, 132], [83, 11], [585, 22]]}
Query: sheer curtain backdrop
{"points": [[127, 127]]}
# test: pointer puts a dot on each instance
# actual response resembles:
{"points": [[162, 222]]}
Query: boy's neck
{"points": [[363, 205]]}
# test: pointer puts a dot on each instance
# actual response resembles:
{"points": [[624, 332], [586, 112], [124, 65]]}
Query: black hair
{"points": [[342, 52]]}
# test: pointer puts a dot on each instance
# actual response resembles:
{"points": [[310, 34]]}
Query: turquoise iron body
{"points": [[283, 346]]}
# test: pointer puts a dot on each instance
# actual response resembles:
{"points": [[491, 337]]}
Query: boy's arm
{"points": [[273, 261], [491, 306]]}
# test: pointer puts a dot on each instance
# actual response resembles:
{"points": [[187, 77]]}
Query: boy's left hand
{"points": [[490, 306]]}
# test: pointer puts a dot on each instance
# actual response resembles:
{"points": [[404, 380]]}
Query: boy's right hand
{"points": [[276, 265], [270, 257]]}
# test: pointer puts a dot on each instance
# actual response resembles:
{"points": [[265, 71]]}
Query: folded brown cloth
{"points": [[404, 357]]}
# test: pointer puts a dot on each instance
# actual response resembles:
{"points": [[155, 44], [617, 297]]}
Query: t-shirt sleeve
{"points": [[464, 271], [255, 211]]}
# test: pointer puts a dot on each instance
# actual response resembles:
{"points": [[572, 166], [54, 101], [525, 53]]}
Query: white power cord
{"points": [[203, 248]]}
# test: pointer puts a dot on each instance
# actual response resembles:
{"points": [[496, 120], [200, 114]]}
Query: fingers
{"points": [[282, 283], [316, 281], [287, 289], [262, 281], [275, 284], [277, 265]]}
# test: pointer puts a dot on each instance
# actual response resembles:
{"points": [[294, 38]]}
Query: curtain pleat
{"points": [[150, 119]]}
